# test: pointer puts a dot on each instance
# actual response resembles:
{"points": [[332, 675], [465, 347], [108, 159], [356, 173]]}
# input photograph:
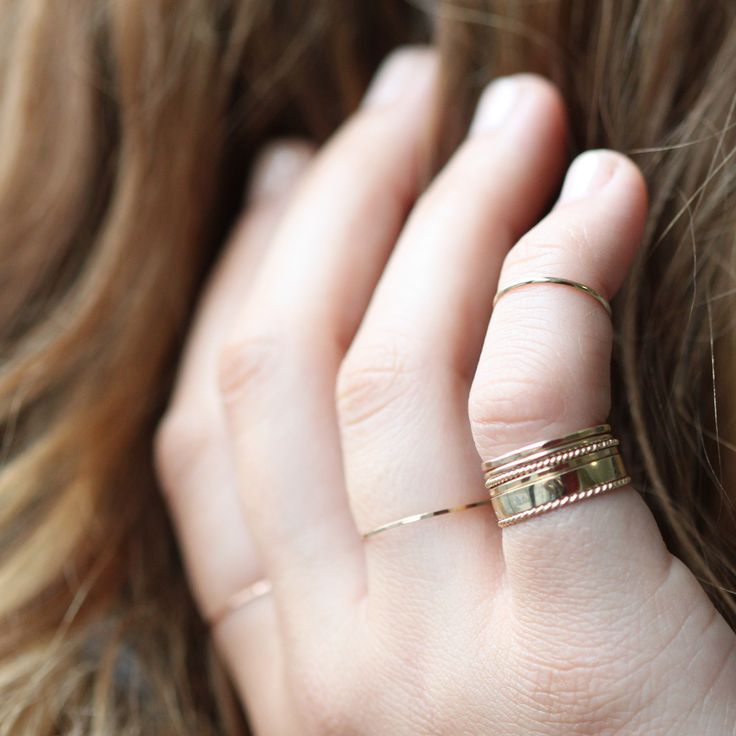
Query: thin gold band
{"points": [[261, 587], [241, 598], [554, 486], [538, 449], [557, 280], [426, 515]]}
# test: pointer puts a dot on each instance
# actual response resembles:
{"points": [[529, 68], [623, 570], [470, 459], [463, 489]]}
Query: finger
{"points": [[193, 455], [403, 388], [544, 372], [276, 173], [277, 374]]}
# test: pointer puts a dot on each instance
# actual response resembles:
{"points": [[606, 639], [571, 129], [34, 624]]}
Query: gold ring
{"points": [[542, 448], [252, 592], [557, 280], [547, 475], [565, 501], [528, 467], [543, 488], [426, 515], [538, 477], [241, 598]]}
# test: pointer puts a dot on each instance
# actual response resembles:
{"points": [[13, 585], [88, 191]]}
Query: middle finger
{"points": [[403, 387]]}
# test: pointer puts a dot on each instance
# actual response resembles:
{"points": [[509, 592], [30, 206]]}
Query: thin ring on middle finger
{"points": [[402, 397]]}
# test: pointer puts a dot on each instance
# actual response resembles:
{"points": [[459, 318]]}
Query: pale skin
{"points": [[346, 369]]}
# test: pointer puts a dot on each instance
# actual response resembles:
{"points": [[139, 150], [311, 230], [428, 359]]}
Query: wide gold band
{"points": [[557, 280], [594, 462], [547, 475], [553, 486], [564, 501]]}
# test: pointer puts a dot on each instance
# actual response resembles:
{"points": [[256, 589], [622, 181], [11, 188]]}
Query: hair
{"points": [[126, 136]]}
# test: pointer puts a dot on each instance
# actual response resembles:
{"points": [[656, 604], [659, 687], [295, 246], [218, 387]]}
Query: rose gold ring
{"points": [[241, 598]]}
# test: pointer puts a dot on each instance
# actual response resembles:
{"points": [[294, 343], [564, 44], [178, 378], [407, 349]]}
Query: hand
{"points": [[345, 371]]}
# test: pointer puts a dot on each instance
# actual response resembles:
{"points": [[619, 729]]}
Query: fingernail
{"points": [[397, 74], [275, 169], [588, 173], [496, 105]]}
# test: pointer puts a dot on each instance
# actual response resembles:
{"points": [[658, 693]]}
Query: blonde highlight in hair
{"points": [[126, 132]]}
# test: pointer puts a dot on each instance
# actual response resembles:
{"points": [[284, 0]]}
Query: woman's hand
{"points": [[343, 373]]}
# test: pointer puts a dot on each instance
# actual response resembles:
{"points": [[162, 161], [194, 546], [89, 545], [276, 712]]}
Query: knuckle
{"points": [[559, 249], [507, 408], [371, 379], [246, 363], [180, 440], [535, 252]]}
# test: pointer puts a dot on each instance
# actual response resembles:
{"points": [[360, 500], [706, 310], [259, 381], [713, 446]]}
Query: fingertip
{"points": [[627, 190], [636, 184], [550, 95], [277, 167], [505, 96], [610, 183], [403, 70], [596, 169]]}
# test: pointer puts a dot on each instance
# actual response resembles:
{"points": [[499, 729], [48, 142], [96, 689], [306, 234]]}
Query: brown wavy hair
{"points": [[126, 134]]}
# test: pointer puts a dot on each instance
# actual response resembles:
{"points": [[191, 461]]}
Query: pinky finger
{"points": [[194, 458]]}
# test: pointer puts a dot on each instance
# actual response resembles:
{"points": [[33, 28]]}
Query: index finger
{"points": [[544, 372]]}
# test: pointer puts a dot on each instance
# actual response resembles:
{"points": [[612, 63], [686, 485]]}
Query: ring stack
{"points": [[548, 475]]}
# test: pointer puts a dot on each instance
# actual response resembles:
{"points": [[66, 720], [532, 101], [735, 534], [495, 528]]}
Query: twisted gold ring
{"points": [[550, 474]]}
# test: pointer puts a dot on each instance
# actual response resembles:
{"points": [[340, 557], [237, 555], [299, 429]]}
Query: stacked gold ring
{"points": [[550, 474]]}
